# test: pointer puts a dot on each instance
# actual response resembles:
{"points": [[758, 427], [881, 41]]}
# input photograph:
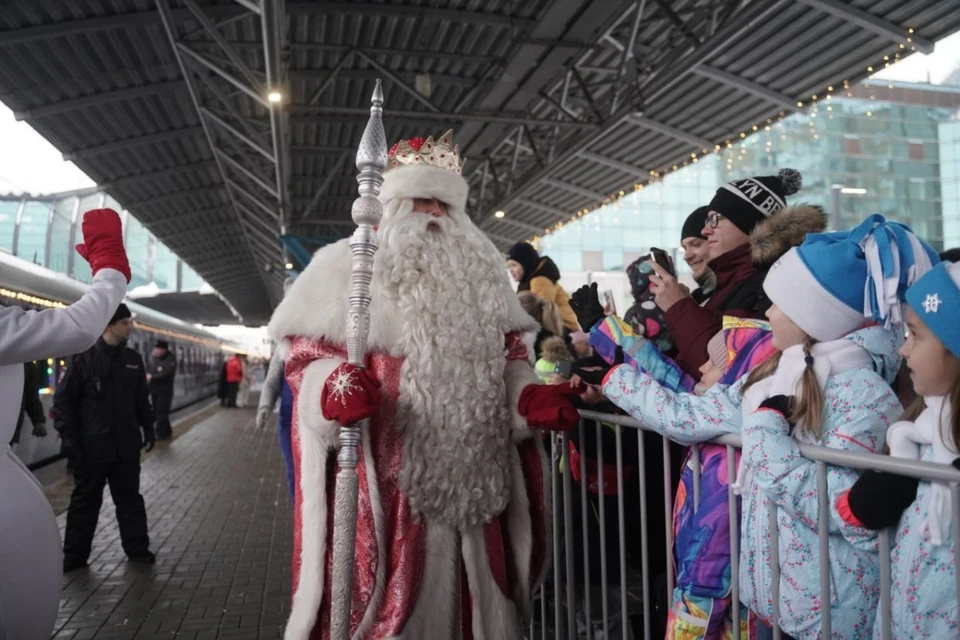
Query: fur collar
{"points": [[785, 229], [316, 305]]}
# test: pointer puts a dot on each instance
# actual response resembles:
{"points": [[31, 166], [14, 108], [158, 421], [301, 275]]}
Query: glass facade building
{"points": [[877, 147], [45, 229]]}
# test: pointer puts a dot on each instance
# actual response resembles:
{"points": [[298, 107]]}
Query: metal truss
{"points": [[229, 95], [603, 89], [870, 22]]}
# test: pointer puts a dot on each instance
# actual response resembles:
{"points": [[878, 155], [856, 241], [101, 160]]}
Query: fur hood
{"points": [[316, 305], [554, 349], [784, 230]]}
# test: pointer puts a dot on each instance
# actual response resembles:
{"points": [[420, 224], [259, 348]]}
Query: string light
{"points": [[657, 176]]}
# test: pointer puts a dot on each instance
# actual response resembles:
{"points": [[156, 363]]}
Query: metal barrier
{"points": [[561, 589]]}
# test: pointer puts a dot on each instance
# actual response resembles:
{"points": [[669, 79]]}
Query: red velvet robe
{"points": [[385, 612]]}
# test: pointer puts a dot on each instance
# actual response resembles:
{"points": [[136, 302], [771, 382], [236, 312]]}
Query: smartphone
{"points": [[564, 368], [663, 259]]}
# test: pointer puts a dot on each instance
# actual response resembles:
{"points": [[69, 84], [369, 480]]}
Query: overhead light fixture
{"points": [[500, 214], [275, 97], [289, 265], [854, 191]]}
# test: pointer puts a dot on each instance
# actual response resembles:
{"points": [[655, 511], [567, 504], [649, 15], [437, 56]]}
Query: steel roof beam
{"points": [[166, 17], [97, 99], [748, 86], [518, 224], [667, 130], [870, 22], [211, 30], [572, 188], [272, 22], [252, 198], [250, 142], [400, 84], [335, 173], [412, 12], [312, 47], [330, 77], [629, 169], [255, 92], [263, 184], [406, 75], [130, 143], [302, 115]]}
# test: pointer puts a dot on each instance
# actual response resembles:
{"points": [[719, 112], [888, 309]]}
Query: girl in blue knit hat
{"points": [[924, 593], [835, 302]]}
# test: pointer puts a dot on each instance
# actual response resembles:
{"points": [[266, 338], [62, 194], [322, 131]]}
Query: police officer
{"points": [[160, 373], [100, 406]]}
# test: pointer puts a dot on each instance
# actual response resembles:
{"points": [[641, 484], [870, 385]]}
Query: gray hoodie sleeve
{"points": [[272, 383]]}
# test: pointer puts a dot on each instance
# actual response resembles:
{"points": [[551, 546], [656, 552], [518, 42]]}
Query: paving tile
{"points": [[221, 525]]}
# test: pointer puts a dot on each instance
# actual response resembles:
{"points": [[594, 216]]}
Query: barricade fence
{"points": [[567, 607]]}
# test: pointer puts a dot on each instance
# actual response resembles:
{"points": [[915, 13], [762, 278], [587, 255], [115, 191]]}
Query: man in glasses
{"points": [[738, 260]]}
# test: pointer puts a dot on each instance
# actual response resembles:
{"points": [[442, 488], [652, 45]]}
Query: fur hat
{"points": [[746, 202], [785, 229], [554, 349], [426, 168]]}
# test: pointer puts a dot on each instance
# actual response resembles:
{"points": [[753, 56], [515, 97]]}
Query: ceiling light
{"points": [[289, 265], [275, 97], [854, 191], [499, 214]]}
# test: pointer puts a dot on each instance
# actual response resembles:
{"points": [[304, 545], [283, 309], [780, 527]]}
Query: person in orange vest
{"points": [[234, 378]]}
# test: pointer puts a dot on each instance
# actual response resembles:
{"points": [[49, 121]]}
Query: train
{"points": [[200, 354]]}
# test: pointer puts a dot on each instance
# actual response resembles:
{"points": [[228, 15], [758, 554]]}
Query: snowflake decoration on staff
{"points": [[931, 303], [342, 385]]}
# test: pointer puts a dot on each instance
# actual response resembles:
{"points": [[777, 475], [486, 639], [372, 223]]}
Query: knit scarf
{"points": [[904, 440], [829, 358]]}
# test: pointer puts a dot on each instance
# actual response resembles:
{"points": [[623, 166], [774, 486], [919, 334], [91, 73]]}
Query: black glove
{"points": [[69, 447], [782, 405], [956, 464], [597, 373], [585, 302], [149, 440], [40, 430], [878, 499]]}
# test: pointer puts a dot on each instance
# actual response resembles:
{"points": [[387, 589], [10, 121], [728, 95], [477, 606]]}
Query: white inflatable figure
{"points": [[31, 569]]}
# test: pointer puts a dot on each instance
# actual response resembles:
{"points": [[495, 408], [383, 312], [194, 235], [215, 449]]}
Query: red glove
{"points": [[349, 395], [103, 242], [549, 406]]}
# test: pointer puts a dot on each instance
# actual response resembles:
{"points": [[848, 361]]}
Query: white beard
{"points": [[452, 405]]}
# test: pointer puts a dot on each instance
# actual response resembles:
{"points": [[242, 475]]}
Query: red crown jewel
{"points": [[441, 153]]}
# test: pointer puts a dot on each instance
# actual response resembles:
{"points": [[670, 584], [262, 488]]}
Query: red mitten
{"points": [[350, 395], [103, 242], [549, 406]]}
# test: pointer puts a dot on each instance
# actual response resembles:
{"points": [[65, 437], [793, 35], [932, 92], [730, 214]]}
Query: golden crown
{"points": [[440, 153]]}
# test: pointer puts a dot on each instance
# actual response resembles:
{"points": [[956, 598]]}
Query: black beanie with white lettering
{"points": [[746, 202]]}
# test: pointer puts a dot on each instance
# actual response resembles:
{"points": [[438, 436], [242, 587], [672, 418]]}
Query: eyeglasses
{"points": [[714, 218]]}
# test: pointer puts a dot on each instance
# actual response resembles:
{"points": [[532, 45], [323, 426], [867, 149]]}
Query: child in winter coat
{"points": [[828, 386], [924, 592]]}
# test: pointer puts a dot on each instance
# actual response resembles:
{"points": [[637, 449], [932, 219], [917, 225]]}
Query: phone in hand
{"points": [[564, 368], [663, 259]]}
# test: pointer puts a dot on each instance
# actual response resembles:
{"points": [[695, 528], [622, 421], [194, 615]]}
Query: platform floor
{"points": [[220, 523]]}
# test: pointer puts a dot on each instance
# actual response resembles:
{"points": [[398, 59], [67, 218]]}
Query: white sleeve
{"points": [[31, 335]]}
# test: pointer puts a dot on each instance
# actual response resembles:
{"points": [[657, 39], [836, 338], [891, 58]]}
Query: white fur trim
{"points": [[318, 437], [436, 613], [521, 533], [425, 181], [316, 305], [530, 342], [494, 616], [802, 298], [517, 375]]}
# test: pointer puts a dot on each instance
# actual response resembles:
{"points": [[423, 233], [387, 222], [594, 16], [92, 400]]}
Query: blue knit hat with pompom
{"points": [[836, 283]]}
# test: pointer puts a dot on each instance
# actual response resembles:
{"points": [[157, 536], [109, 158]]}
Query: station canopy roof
{"points": [[558, 105]]}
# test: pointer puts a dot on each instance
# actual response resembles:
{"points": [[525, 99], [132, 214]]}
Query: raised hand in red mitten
{"points": [[349, 395], [103, 242], [550, 406]]}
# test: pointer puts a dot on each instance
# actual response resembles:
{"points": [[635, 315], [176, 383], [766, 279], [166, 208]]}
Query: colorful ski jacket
{"points": [[859, 407]]}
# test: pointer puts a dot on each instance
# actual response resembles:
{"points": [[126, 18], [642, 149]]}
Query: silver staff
{"points": [[367, 210]]}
